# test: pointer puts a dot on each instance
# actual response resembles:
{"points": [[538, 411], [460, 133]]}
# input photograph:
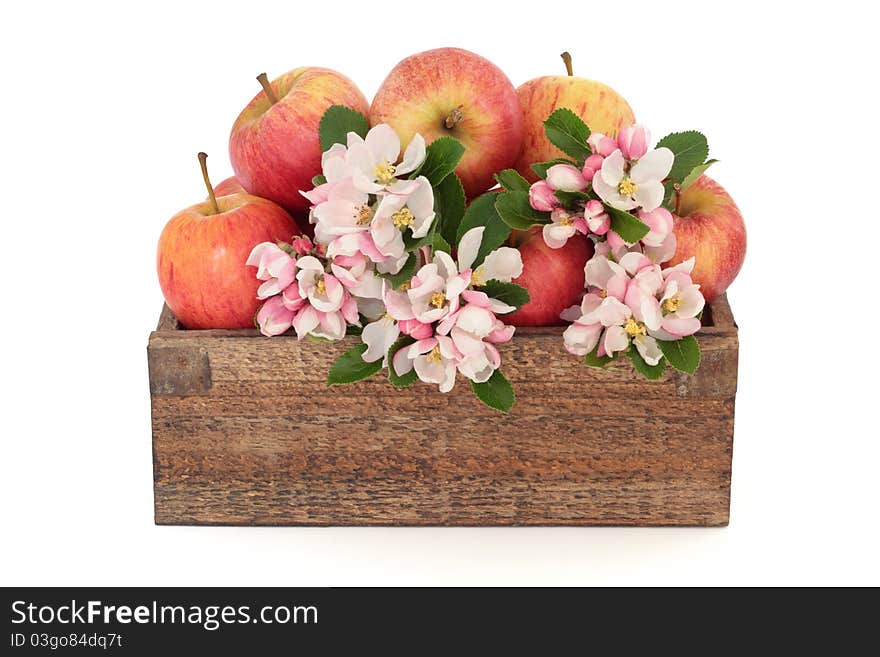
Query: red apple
{"points": [[553, 277], [202, 254], [449, 91], [601, 108], [274, 146], [228, 186], [709, 226]]}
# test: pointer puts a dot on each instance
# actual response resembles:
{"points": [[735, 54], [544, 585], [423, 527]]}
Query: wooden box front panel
{"points": [[246, 432]]}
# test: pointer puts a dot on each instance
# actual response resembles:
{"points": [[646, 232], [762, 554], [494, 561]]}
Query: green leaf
{"points": [[695, 173], [406, 272], [568, 133], [516, 211], [510, 180], [509, 293], [594, 360], [495, 393], [439, 243], [318, 180], [450, 203], [648, 371], [540, 168], [629, 228], [690, 148], [351, 367], [410, 377], [683, 354], [337, 122], [481, 212], [669, 195], [441, 158], [411, 243], [571, 199]]}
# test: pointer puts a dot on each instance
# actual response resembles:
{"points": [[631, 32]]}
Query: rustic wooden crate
{"points": [[246, 432]]}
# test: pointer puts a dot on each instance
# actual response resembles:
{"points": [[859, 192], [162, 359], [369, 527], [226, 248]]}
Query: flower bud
{"points": [[541, 197], [633, 141]]}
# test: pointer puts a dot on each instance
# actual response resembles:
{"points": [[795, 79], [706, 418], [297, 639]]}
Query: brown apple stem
{"points": [[566, 57], [677, 188], [455, 116], [267, 88], [203, 161]]}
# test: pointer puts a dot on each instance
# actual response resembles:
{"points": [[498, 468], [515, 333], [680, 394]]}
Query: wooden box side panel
{"points": [[256, 437]]}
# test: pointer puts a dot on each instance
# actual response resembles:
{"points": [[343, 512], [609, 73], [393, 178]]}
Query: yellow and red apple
{"points": [[274, 146], [710, 228], [228, 186], [454, 92], [553, 277], [202, 254], [600, 107]]}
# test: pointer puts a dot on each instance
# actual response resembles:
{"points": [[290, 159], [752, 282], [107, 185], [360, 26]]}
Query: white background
{"points": [[104, 107]]}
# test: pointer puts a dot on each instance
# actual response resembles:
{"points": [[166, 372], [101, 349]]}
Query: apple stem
{"points": [[267, 88], [455, 116], [203, 161], [677, 188], [566, 57]]}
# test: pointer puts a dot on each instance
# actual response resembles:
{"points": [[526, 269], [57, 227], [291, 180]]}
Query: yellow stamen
{"points": [[385, 173], [673, 303], [434, 355], [403, 218], [635, 328], [438, 299], [603, 293], [566, 220], [478, 278], [405, 286], [364, 215], [627, 187], [320, 286]]}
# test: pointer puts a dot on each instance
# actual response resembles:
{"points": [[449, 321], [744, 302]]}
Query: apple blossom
{"points": [[633, 141], [274, 266], [541, 197], [565, 177], [562, 226], [273, 317], [597, 218], [591, 166], [434, 359], [502, 264], [627, 185], [602, 144], [372, 161]]}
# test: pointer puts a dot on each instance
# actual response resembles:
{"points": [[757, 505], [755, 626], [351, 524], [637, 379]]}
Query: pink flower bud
{"points": [[415, 329], [541, 197], [565, 177], [660, 222], [592, 165], [273, 318], [633, 141], [302, 245], [597, 219], [601, 144]]}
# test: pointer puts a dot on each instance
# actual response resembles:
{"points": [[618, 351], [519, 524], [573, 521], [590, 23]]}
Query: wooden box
{"points": [[246, 432]]}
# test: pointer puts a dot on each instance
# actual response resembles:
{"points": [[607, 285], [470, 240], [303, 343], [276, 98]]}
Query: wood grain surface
{"points": [[246, 432]]}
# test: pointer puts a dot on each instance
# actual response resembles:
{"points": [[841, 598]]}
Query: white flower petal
{"points": [[469, 246], [503, 264], [383, 144], [379, 336], [648, 349], [413, 156], [649, 196], [655, 165], [612, 169]]}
